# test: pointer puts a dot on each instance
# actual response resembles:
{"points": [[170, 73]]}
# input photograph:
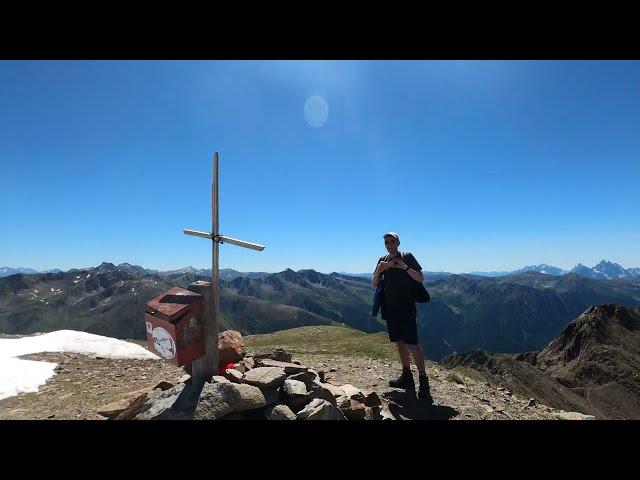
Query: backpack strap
{"points": [[387, 257]]}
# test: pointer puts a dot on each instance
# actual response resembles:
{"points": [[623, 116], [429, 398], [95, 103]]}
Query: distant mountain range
{"points": [[542, 268], [605, 270], [514, 313], [225, 273], [6, 271]]}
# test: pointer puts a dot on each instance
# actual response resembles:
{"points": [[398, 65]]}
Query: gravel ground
{"points": [[83, 384], [472, 400]]}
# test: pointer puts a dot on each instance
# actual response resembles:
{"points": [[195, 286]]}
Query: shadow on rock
{"points": [[177, 403], [406, 406], [186, 403]]}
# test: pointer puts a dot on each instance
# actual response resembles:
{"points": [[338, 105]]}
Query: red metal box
{"points": [[174, 326]]}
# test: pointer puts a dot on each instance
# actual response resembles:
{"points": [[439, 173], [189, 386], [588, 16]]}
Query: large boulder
{"points": [[233, 375], [279, 412], [352, 392], [294, 388], [308, 377], [321, 392], [319, 409], [335, 390], [272, 377], [352, 409], [240, 367], [134, 408], [230, 346], [289, 368], [169, 404], [218, 400], [219, 379], [164, 385], [113, 409], [315, 391], [278, 354], [247, 363]]}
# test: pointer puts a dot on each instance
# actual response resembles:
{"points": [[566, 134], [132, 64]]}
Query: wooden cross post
{"points": [[207, 366]]}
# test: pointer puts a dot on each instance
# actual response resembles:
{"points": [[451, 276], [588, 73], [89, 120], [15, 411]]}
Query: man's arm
{"points": [[415, 270], [416, 275], [375, 279]]}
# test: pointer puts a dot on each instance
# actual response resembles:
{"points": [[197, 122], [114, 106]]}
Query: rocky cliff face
{"points": [[598, 356], [592, 366]]}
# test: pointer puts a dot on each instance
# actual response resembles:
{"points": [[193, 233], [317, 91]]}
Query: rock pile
{"points": [[263, 387]]}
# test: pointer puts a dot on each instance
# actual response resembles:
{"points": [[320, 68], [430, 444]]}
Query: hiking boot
{"points": [[405, 380], [424, 392]]}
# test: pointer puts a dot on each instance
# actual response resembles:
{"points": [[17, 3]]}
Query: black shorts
{"points": [[403, 328]]}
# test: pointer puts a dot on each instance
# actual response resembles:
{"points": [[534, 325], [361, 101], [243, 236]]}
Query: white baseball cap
{"points": [[392, 234]]}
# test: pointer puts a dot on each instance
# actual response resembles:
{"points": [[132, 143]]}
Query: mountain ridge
{"points": [[592, 366], [516, 313], [604, 270]]}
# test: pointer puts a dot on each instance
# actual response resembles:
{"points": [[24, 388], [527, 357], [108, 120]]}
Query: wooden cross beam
{"points": [[207, 366]]}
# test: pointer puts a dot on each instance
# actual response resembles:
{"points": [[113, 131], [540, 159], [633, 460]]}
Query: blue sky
{"points": [[479, 165]]}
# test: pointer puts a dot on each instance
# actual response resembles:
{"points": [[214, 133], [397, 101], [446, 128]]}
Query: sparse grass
{"points": [[469, 374], [324, 340], [454, 377], [320, 340]]}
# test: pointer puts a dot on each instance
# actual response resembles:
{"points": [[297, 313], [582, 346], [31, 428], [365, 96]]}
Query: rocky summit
{"points": [[269, 390], [304, 373]]}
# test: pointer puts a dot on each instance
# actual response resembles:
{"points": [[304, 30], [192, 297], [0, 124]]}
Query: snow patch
{"points": [[22, 376]]}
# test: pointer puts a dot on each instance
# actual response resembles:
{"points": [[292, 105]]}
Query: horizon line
{"points": [[565, 270]]}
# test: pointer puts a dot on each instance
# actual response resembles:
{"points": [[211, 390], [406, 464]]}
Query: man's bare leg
{"points": [[404, 354], [418, 358]]}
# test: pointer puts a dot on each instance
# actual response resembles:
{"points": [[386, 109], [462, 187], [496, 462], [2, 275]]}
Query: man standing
{"points": [[399, 311]]}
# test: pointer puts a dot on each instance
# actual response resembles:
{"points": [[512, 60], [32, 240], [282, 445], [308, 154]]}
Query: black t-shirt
{"points": [[398, 286]]}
